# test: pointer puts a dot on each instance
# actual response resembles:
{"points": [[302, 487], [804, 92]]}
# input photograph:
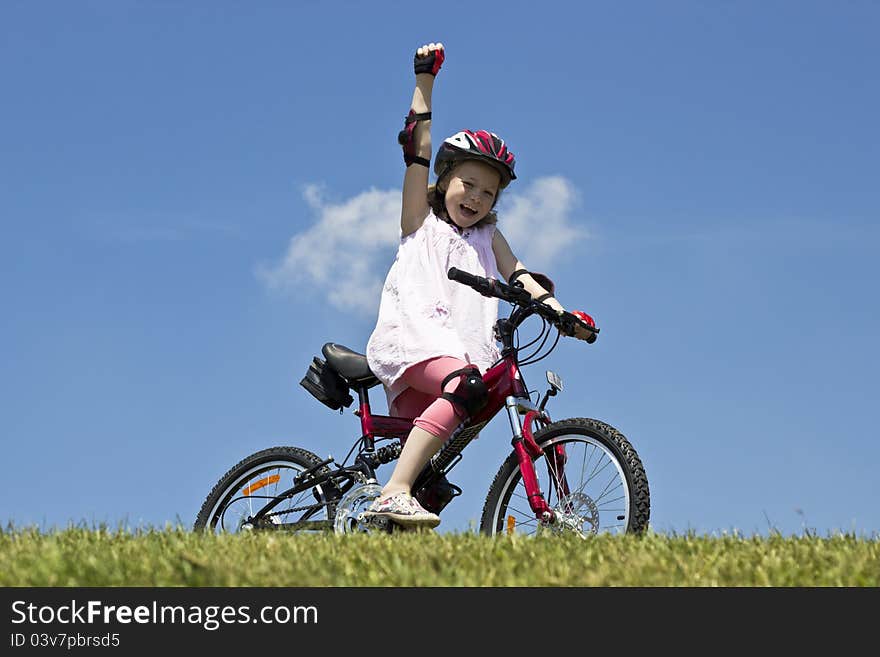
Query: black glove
{"points": [[430, 63]]}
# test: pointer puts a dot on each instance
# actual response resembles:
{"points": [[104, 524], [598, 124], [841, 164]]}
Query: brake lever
{"points": [[517, 294], [507, 292]]}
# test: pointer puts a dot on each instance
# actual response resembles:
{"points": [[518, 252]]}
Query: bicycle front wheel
{"points": [[238, 502], [590, 475]]}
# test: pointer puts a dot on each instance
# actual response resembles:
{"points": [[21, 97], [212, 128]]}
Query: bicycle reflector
{"points": [[511, 525], [262, 483], [554, 380]]}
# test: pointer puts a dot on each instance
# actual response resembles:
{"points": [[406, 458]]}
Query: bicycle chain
{"points": [[310, 507]]}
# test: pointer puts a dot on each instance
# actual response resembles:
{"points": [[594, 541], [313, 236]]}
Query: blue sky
{"points": [[196, 196]]}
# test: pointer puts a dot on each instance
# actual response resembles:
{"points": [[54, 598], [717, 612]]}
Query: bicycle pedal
{"points": [[379, 524]]}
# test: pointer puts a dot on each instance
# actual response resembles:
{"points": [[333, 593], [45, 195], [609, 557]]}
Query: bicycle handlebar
{"points": [[490, 287]]}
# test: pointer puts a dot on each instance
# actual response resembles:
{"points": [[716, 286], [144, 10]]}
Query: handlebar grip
{"points": [[568, 321], [488, 287], [478, 283], [455, 274]]}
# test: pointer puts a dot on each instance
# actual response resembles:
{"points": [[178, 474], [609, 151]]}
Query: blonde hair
{"points": [[437, 201]]}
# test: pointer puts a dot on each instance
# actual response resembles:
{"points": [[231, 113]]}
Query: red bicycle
{"points": [[575, 475]]}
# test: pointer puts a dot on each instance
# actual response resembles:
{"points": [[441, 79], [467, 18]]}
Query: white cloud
{"points": [[346, 253], [340, 254], [538, 224]]}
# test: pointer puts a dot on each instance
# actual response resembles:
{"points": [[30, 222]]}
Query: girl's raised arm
{"points": [[416, 139]]}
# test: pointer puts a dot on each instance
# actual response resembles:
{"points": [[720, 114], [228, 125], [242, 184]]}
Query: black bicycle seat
{"points": [[350, 364]]}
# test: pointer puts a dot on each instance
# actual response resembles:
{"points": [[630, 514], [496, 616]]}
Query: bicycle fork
{"points": [[527, 451]]}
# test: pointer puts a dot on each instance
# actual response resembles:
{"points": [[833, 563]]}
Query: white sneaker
{"points": [[403, 509]]}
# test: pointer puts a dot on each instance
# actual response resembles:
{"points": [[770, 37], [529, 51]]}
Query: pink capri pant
{"points": [[422, 401]]}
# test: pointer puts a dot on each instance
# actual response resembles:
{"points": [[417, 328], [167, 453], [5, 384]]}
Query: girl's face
{"points": [[472, 189]]}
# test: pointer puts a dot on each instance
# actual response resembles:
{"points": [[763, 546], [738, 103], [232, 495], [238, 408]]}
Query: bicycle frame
{"points": [[506, 390]]}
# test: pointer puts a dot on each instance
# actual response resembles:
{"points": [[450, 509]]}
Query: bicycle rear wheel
{"points": [[604, 488], [233, 505]]}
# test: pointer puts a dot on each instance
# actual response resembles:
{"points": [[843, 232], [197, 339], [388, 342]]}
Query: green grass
{"points": [[99, 557]]}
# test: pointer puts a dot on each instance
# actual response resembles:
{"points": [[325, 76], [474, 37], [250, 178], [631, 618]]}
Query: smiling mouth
{"points": [[467, 211]]}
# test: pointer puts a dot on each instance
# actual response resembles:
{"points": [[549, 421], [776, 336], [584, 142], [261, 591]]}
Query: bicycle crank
{"points": [[350, 509]]}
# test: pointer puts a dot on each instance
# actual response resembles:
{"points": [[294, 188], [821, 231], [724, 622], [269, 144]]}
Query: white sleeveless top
{"points": [[423, 314]]}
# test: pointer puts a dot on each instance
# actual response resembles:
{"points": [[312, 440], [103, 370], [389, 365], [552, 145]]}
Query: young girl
{"points": [[434, 337]]}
